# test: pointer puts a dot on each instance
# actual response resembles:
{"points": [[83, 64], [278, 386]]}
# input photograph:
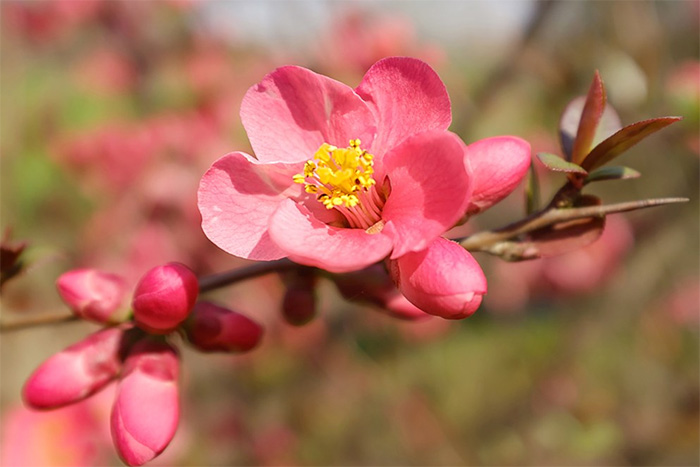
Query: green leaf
{"points": [[557, 164], [590, 117], [623, 140], [611, 173], [532, 191]]}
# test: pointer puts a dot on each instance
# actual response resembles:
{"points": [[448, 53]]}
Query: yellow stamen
{"points": [[340, 174]]}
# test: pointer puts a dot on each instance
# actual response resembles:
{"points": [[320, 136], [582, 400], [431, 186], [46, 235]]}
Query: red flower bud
{"points": [[164, 297], [76, 372], [93, 295], [212, 328], [146, 410]]}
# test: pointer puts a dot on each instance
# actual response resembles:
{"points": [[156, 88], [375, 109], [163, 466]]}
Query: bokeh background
{"points": [[112, 110]]}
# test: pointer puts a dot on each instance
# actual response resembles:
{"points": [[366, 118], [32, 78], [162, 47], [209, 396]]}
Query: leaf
{"points": [[566, 236], [590, 117], [571, 117], [532, 190], [557, 164], [624, 139], [611, 173]]}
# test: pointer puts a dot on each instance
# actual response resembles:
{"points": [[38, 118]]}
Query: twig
{"points": [[484, 241], [215, 281], [37, 320]]}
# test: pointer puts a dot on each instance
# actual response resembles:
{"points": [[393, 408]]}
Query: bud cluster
{"points": [[133, 349]]}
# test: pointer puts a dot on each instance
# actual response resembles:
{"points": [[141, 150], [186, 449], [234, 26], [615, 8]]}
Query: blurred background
{"points": [[111, 111]]}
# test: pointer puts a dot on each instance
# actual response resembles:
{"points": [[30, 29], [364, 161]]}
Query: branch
{"points": [[37, 320], [215, 281], [486, 241]]}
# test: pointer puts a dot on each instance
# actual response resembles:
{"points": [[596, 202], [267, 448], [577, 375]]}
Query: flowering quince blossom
{"points": [[344, 178]]}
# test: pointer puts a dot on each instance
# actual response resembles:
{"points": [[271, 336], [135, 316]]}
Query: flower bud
{"points": [[497, 165], [299, 301], [146, 410], [76, 372], [442, 280], [212, 328], [164, 297], [94, 295]]}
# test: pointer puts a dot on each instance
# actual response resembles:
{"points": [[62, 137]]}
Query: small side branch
{"points": [[485, 241]]}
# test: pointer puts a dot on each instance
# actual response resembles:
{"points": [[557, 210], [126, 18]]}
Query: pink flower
{"points": [[443, 280], [212, 328], [93, 295], [76, 372], [69, 436], [345, 178], [376, 172], [164, 297], [146, 410]]}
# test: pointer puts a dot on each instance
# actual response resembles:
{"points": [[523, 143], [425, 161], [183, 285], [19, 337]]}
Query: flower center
{"points": [[342, 179]]}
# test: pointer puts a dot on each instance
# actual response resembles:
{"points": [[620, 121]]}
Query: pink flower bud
{"points": [[164, 297], [76, 372], [212, 328], [93, 295], [442, 280], [146, 409]]}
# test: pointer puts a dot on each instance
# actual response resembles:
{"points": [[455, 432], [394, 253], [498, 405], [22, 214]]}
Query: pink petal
{"points": [[442, 280], [498, 164], [307, 240], [292, 111], [146, 410], [407, 97], [76, 372], [237, 196], [429, 189]]}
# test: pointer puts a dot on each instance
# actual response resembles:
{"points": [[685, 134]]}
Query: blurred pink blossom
{"points": [[70, 436], [582, 271]]}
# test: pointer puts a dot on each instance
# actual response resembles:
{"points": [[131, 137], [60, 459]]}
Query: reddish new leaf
{"points": [[557, 164], [571, 117], [623, 140], [590, 117]]}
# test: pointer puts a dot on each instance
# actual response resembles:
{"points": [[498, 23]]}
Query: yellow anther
{"points": [[338, 173]]}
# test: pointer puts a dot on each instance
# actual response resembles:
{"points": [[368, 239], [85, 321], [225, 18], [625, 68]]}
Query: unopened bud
{"points": [[146, 410], [212, 328], [76, 372], [94, 295], [442, 280], [164, 297]]}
